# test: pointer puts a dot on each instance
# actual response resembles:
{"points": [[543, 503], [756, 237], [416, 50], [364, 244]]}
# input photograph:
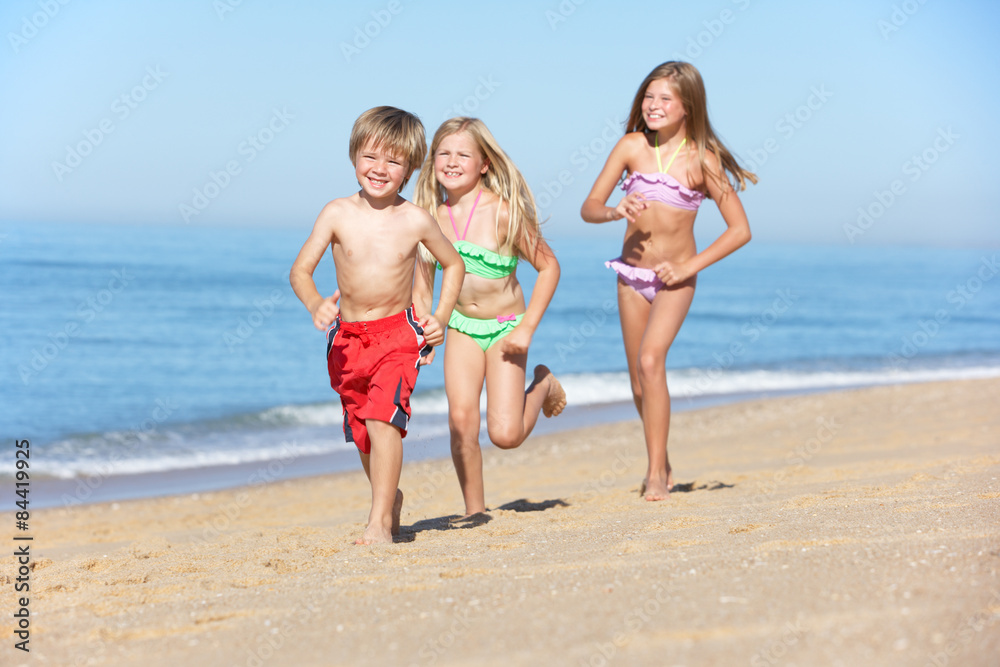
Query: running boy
{"points": [[374, 342]]}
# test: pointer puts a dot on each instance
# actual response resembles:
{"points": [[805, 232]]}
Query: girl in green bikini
{"points": [[485, 208]]}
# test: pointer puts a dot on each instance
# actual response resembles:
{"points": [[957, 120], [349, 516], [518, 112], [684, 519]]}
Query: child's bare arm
{"points": [[323, 310], [545, 262], [451, 278], [737, 232], [423, 285]]}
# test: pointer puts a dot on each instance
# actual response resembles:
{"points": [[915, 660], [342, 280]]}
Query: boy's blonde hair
{"points": [[502, 178], [687, 83], [396, 131]]}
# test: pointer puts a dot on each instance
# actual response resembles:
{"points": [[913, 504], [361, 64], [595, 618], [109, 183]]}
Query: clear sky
{"points": [[128, 112]]}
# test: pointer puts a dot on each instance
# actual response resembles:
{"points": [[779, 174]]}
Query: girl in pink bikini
{"points": [[485, 208], [671, 161]]}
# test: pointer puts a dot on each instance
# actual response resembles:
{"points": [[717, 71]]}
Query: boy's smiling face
{"points": [[380, 172]]}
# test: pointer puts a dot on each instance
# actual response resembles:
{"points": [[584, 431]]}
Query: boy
{"points": [[375, 343]]}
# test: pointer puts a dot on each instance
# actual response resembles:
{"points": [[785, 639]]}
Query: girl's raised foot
{"points": [[555, 401]]}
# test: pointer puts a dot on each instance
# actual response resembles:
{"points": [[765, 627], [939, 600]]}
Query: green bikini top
{"points": [[480, 261]]}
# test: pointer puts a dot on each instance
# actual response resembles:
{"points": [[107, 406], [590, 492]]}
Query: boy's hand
{"points": [[428, 358], [433, 332], [326, 312], [517, 341]]}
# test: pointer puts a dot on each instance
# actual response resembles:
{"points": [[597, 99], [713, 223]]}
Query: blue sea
{"points": [[130, 350]]}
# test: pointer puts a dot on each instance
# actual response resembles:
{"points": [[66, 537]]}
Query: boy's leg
{"points": [[464, 370], [383, 466], [666, 315]]}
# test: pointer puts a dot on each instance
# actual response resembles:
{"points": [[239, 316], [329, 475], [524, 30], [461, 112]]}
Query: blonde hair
{"points": [[687, 83], [502, 179], [399, 132]]}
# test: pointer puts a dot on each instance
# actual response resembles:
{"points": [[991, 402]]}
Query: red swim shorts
{"points": [[373, 366]]}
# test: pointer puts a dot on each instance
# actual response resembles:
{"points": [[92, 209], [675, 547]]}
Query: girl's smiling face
{"points": [[458, 163], [661, 105]]}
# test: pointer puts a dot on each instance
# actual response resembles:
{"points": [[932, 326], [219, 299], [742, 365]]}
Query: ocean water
{"points": [[136, 349]]}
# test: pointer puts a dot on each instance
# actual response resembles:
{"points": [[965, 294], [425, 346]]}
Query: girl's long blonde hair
{"points": [[687, 82], [502, 179]]}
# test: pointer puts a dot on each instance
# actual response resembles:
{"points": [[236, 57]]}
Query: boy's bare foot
{"points": [[376, 533], [397, 508], [555, 401]]}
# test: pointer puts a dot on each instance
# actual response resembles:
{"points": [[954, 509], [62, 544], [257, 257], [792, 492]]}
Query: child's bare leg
{"points": [[666, 315], [464, 369], [633, 312], [512, 411], [383, 467]]}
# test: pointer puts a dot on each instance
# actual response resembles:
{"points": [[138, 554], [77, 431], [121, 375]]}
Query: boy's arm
{"points": [[423, 285], [324, 311], [451, 277]]}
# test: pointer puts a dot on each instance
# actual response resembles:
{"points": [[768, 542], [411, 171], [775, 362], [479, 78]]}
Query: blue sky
{"points": [[121, 111]]}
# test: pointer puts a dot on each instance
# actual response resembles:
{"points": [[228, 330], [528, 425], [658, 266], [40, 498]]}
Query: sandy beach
{"points": [[850, 528]]}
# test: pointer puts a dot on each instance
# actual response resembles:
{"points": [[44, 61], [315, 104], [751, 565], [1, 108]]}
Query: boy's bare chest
{"points": [[378, 244]]}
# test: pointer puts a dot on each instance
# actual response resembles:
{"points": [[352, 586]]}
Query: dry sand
{"points": [[854, 528]]}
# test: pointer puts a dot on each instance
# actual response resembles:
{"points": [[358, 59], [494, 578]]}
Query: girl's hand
{"points": [[631, 206], [673, 273], [428, 358], [517, 341], [326, 312]]}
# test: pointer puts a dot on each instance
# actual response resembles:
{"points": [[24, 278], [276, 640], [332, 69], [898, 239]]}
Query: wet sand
{"points": [[858, 527]]}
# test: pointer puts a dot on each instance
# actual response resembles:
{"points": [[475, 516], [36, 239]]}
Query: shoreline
{"points": [[53, 492], [857, 527]]}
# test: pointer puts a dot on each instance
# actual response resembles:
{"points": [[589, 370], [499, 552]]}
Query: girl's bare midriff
{"points": [[488, 298], [661, 233]]}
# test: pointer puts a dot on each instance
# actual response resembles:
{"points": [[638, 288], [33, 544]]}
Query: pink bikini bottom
{"points": [[643, 281]]}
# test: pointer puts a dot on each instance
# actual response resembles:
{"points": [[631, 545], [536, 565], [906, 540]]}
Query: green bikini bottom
{"points": [[485, 332]]}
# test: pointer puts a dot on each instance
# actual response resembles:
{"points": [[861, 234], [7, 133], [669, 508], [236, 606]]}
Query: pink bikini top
{"points": [[661, 186]]}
